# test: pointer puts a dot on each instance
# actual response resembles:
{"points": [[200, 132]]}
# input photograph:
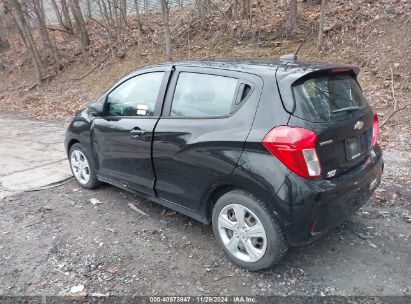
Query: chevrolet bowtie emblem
{"points": [[358, 125]]}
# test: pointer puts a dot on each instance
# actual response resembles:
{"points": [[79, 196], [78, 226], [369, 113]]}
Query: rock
{"points": [[372, 245], [95, 201], [44, 209], [406, 217], [363, 236], [112, 269], [384, 213], [76, 289]]}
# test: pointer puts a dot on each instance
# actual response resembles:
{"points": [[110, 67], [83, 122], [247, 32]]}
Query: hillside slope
{"points": [[374, 35]]}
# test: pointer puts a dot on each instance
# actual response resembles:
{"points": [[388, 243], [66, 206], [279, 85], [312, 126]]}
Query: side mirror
{"points": [[95, 109]]}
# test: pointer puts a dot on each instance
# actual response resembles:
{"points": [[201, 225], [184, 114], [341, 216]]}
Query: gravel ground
{"points": [[56, 242]]}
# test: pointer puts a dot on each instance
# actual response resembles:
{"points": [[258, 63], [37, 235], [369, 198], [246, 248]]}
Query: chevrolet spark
{"points": [[272, 154]]}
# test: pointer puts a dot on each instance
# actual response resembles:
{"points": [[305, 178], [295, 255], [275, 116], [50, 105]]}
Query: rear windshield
{"points": [[329, 97]]}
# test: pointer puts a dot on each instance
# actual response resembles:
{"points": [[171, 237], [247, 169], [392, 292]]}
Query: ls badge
{"points": [[358, 125]]}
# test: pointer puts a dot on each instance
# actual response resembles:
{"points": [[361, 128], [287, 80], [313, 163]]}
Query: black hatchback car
{"points": [[270, 153]]}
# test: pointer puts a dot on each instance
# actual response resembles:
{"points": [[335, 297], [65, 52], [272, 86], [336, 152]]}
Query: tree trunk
{"points": [[39, 12], [26, 36], [66, 16], [88, 9], [117, 15], [291, 22], [81, 25], [235, 10], [167, 34], [123, 13], [201, 11], [246, 8], [321, 26], [58, 14], [106, 25], [110, 9], [103, 12], [139, 28]]}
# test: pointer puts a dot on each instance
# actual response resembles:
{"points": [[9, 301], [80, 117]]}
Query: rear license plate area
{"points": [[353, 148]]}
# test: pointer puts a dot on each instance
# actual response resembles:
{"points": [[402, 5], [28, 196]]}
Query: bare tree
{"points": [[111, 11], [139, 26], [235, 9], [88, 3], [25, 34], [81, 25], [202, 10], [106, 25], [123, 13], [247, 8], [117, 14], [66, 16], [57, 13], [321, 26], [167, 35], [291, 21], [106, 13], [38, 10]]}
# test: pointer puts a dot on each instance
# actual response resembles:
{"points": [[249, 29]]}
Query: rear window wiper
{"points": [[348, 109]]}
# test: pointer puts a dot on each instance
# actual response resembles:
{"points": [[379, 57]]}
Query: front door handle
{"points": [[135, 133]]}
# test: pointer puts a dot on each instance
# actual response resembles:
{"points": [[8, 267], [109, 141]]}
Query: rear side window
{"points": [[203, 95], [327, 98]]}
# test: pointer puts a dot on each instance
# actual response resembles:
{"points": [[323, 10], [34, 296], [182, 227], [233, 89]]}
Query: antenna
{"points": [[301, 44], [293, 56]]}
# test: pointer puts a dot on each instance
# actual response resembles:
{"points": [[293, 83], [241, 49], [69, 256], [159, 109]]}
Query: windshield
{"points": [[327, 98]]}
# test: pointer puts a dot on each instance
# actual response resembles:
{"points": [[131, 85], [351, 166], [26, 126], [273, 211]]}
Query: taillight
{"points": [[295, 148], [375, 130]]}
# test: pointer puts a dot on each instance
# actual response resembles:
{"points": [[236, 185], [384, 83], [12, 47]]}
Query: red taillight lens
{"points": [[295, 148], [375, 130]]}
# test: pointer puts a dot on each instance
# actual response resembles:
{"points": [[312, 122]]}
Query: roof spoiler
{"points": [[355, 69]]}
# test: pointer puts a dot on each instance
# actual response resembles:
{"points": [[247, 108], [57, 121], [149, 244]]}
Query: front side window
{"points": [[202, 95], [136, 96]]}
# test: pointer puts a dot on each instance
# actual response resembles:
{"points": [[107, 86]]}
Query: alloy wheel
{"points": [[80, 167], [242, 233]]}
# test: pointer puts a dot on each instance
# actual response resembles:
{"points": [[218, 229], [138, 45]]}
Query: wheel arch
{"points": [[219, 189], [71, 143]]}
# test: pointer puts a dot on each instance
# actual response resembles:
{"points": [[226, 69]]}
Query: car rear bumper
{"points": [[319, 205]]}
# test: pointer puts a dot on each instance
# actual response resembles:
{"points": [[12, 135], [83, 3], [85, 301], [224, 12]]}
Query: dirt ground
{"points": [[53, 240], [56, 242]]}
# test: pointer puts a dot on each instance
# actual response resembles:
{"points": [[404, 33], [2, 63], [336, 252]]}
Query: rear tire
{"points": [[82, 167], [247, 231]]}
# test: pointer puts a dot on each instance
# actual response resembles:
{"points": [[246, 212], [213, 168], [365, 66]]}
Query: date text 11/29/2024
{"points": [[203, 299]]}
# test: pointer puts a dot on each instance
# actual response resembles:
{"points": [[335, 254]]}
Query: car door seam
{"points": [[154, 130]]}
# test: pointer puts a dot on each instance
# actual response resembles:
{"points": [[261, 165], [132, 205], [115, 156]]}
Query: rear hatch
{"points": [[330, 103]]}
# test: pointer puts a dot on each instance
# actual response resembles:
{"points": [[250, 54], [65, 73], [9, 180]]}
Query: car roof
{"points": [[256, 65]]}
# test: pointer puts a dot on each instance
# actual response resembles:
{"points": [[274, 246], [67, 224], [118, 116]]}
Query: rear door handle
{"points": [[135, 133]]}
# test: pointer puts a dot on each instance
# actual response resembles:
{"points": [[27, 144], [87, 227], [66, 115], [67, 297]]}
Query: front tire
{"points": [[248, 231], [82, 167]]}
